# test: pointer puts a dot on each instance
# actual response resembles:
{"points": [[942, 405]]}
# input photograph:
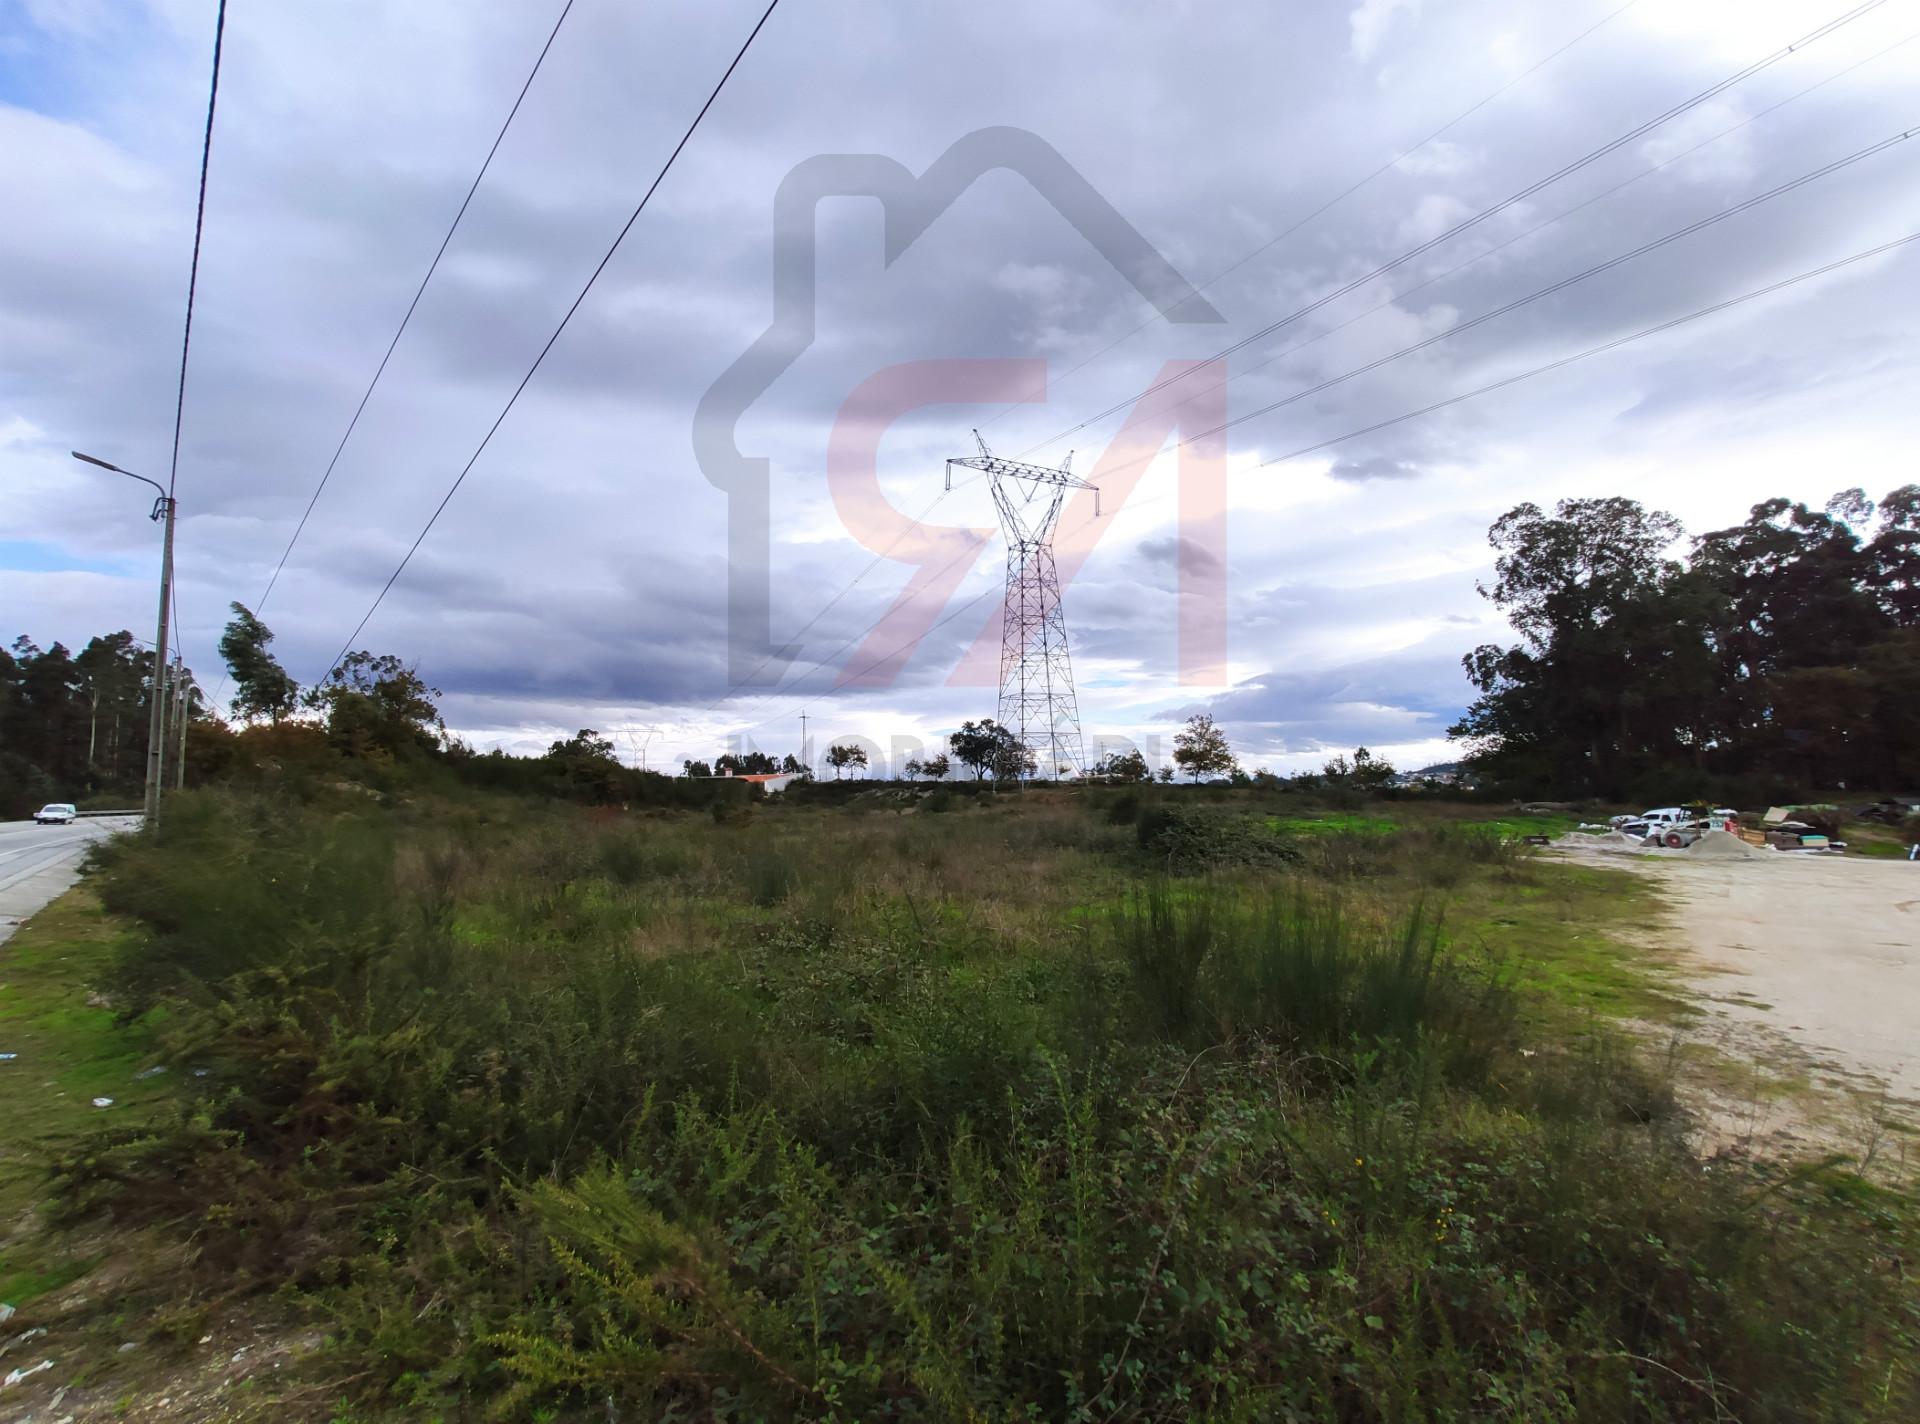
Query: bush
{"points": [[1192, 838], [1210, 966]]}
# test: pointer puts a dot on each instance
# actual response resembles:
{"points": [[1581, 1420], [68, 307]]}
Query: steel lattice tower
{"points": [[1037, 701]]}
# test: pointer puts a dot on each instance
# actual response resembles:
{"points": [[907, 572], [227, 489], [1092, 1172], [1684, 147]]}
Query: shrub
{"points": [[768, 872], [1291, 968]]}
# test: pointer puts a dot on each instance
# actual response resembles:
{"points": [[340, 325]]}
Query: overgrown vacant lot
{"points": [[1112, 1104]]}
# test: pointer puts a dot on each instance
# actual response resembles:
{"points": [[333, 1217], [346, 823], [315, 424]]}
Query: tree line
{"points": [[1770, 658], [73, 726]]}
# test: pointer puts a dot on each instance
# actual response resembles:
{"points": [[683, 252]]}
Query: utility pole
{"points": [[183, 709], [157, 722], [163, 509], [803, 743]]}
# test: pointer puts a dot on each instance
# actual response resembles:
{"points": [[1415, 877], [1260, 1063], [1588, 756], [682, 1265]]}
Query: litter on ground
{"points": [[15, 1376]]}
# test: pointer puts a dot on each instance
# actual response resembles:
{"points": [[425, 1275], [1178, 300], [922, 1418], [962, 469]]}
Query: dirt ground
{"points": [[1808, 966]]}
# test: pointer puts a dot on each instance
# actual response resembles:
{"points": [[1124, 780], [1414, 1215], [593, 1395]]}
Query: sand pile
{"points": [[1723, 845], [1604, 840]]}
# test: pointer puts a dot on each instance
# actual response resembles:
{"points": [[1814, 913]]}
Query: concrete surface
{"points": [[1821, 950], [38, 863], [1824, 949]]}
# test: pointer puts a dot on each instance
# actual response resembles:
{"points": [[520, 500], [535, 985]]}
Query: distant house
{"points": [[1446, 773]]}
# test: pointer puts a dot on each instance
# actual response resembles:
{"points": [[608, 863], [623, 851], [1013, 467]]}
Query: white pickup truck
{"points": [[1675, 826]]}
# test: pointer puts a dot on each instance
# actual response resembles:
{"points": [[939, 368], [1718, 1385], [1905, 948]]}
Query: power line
{"points": [[1337, 198], [199, 226], [1505, 308], [1458, 267], [626, 227], [413, 305], [1602, 348], [156, 727], [1465, 224]]}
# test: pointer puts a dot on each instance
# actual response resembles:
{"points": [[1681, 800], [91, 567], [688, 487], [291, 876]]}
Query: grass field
{"points": [[1105, 1104], [66, 1053]]}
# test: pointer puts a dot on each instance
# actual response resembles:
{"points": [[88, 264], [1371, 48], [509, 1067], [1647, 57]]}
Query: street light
{"points": [[163, 509]]}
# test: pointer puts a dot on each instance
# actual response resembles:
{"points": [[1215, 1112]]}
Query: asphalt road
{"points": [[39, 862]]}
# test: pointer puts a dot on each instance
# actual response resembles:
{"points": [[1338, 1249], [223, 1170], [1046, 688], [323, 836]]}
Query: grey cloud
{"points": [[1373, 467], [579, 574]]}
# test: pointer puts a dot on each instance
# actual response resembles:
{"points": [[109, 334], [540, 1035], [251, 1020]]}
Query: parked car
{"points": [[56, 813]]}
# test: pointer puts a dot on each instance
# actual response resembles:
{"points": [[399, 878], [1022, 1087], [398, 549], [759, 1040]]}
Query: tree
{"points": [[1775, 650], [913, 767], [1614, 671], [1122, 766], [695, 768], [588, 765], [1798, 604], [1164, 775], [746, 764], [935, 767], [1200, 748], [842, 755], [791, 765], [72, 724], [1893, 557], [1013, 759], [1365, 773], [989, 749], [112, 672], [375, 707], [974, 745], [261, 687]]}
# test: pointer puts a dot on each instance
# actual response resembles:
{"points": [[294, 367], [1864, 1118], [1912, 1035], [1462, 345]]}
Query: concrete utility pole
{"points": [[163, 509], [183, 709]]}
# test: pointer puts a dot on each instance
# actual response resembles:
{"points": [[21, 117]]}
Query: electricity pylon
{"points": [[1036, 675]]}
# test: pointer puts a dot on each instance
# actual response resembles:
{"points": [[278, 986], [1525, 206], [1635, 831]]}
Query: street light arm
{"points": [[88, 459]]}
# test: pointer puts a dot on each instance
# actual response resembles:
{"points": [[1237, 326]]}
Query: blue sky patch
{"points": [[34, 557]]}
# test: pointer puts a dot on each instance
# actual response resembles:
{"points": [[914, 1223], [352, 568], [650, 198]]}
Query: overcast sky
{"points": [[580, 576]]}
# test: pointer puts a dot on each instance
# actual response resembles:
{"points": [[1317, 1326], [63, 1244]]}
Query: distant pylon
{"points": [[1037, 702]]}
